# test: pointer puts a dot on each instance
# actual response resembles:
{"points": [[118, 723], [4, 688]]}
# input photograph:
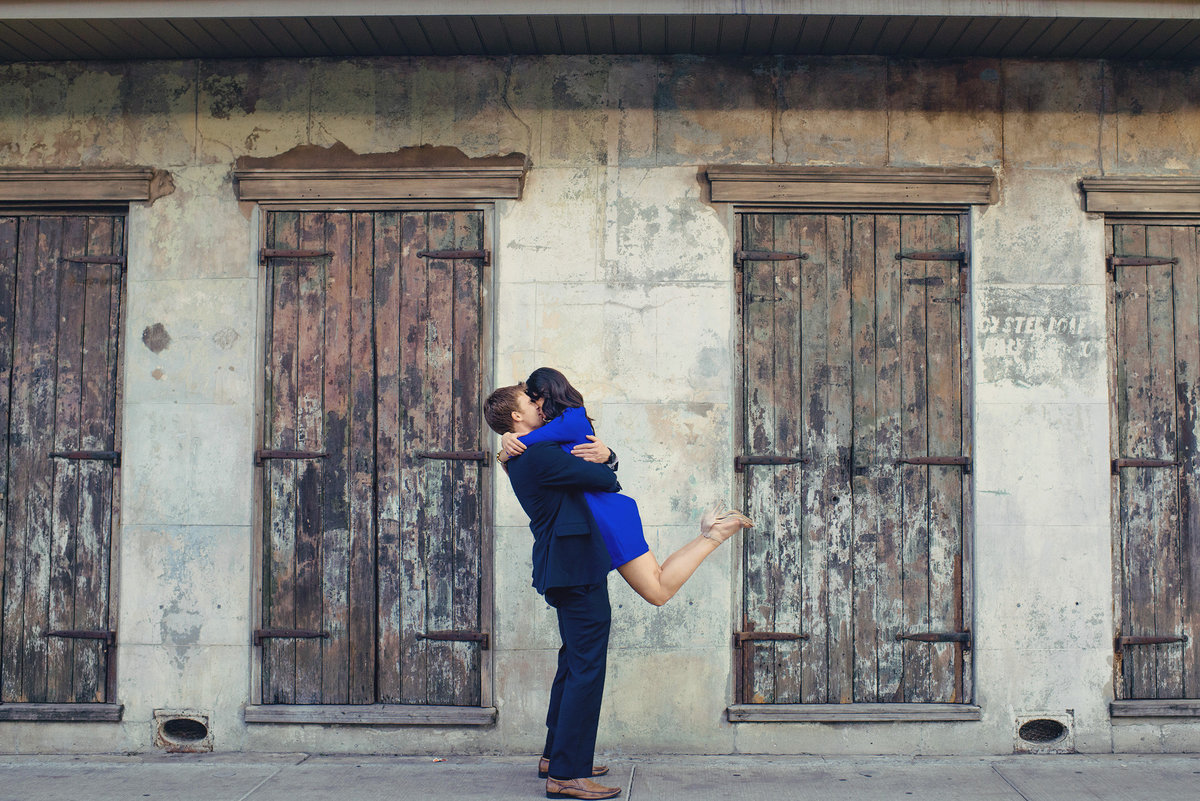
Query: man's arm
{"points": [[550, 466]]}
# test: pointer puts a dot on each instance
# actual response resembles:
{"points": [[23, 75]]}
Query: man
{"points": [[570, 568]]}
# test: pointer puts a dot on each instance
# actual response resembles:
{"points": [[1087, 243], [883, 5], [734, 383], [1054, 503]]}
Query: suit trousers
{"points": [[584, 619]]}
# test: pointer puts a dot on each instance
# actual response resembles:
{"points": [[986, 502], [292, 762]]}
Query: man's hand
{"points": [[511, 445], [594, 451]]}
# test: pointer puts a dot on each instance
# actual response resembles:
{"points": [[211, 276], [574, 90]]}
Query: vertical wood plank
{"points": [[944, 364], [914, 442], [814, 397], [415, 528], [335, 501], [8, 297], [1135, 441], [889, 593], [1168, 601], [66, 496], [839, 437], [392, 359], [437, 477], [863, 468], [761, 563], [361, 455], [466, 495], [310, 381], [1187, 387], [106, 236], [279, 562]]}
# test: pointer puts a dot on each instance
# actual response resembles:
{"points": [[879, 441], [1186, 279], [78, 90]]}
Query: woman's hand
{"points": [[594, 451], [511, 444]]}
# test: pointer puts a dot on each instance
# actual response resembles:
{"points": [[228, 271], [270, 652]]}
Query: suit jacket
{"points": [[568, 549]]}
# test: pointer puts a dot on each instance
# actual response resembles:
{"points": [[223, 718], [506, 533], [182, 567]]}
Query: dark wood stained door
{"points": [[60, 306], [854, 378], [1157, 396], [373, 359]]}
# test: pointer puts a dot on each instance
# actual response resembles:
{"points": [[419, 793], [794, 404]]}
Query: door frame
{"points": [[967, 710], [373, 714]]}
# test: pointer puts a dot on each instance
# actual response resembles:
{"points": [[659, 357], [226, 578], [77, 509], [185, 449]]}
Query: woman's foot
{"points": [[719, 523]]}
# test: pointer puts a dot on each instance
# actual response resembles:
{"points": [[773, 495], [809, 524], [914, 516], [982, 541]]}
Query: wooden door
{"points": [[855, 459], [1156, 469], [372, 531], [60, 305]]}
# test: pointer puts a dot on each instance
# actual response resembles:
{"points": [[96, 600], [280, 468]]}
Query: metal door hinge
{"points": [[741, 462], [1123, 641], [480, 637], [938, 461], [1117, 464], [288, 634], [267, 254], [766, 255], [458, 456], [89, 456], [109, 637], [742, 637], [1137, 261], [961, 637], [118, 260], [486, 255], [261, 455]]}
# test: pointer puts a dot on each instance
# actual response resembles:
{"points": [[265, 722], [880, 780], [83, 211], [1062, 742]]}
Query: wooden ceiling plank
{"points": [[306, 36], [331, 34], [490, 35], [1189, 48], [1156, 38], [841, 33], [1099, 45], [94, 38], [679, 33], [273, 29], [1050, 36], [947, 36], [893, 35], [627, 36], [919, 37], [573, 33], [1079, 35], [168, 34], [760, 33], [972, 36], [599, 34], [1130, 40], [652, 33], [787, 31], [1175, 39], [468, 39], [50, 47], [66, 32], [1023, 38], [866, 34], [14, 44], [127, 36], [812, 35], [997, 40], [732, 41], [201, 38], [546, 38], [440, 37], [706, 35], [519, 34], [254, 39], [360, 35]]}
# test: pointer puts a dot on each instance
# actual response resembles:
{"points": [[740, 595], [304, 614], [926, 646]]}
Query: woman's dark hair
{"points": [[553, 388]]}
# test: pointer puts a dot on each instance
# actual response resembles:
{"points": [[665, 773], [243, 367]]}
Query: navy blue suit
{"points": [[570, 568]]}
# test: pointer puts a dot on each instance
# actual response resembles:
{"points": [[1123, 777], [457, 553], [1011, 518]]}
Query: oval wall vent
{"points": [[1042, 730], [186, 730]]}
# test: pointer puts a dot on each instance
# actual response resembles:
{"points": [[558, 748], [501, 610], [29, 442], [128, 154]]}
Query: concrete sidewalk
{"points": [[299, 777]]}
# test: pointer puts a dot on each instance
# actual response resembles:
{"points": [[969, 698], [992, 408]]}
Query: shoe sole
{"points": [[581, 798]]}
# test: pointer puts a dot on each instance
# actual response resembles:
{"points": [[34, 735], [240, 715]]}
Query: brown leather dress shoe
{"points": [[544, 769], [579, 788]]}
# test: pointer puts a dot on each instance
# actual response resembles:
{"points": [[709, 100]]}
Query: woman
{"points": [[616, 514]]}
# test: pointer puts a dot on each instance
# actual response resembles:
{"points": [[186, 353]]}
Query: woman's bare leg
{"points": [[658, 583]]}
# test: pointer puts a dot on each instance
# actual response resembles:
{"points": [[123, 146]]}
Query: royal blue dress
{"points": [[616, 514]]}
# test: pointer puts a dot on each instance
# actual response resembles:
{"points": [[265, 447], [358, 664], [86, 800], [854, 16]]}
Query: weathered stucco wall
{"points": [[614, 267]]}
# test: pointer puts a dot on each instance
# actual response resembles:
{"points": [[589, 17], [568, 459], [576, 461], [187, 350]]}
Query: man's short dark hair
{"points": [[499, 406]]}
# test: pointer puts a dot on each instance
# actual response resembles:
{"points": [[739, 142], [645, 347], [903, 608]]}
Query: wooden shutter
{"points": [[372, 551], [853, 382], [60, 301], [1157, 543]]}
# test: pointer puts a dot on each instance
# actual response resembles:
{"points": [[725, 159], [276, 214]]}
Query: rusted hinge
{"points": [[1137, 261], [931, 280], [486, 255], [95, 259], [943, 461], [962, 637], [740, 637], [267, 254], [767, 255], [288, 634], [740, 462], [261, 455], [932, 255], [480, 637], [109, 637], [1117, 464], [458, 456], [1120, 642], [89, 456]]}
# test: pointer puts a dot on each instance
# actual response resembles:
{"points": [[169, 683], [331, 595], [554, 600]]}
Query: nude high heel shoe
{"points": [[719, 522]]}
